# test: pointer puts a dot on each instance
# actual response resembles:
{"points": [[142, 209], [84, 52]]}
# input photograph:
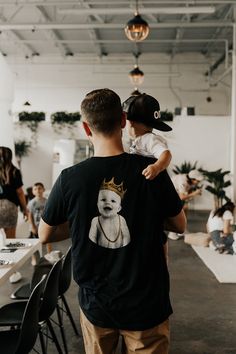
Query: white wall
{"points": [[204, 138]]}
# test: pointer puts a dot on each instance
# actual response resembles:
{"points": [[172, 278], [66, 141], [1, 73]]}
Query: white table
{"points": [[19, 257]]}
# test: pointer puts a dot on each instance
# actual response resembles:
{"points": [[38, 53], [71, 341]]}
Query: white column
{"points": [[233, 118], [6, 99]]}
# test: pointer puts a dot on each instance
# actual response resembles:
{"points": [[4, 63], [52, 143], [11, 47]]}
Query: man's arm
{"points": [[49, 233], [176, 223]]}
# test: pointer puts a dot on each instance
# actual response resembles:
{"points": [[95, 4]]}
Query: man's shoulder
{"points": [[75, 168]]}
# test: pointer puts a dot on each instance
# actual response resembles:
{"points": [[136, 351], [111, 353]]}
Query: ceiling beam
{"points": [[214, 66], [93, 34], [124, 41], [104, 2], [80, 26], [53, 34], [11, 35], [226, 13], [129, 10], [178, 35]]}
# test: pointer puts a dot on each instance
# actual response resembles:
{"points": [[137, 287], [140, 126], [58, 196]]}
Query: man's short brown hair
{"points": [[102, 110]]}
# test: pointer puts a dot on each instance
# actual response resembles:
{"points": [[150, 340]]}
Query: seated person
{"points": [[187, 186], [219, 227]]}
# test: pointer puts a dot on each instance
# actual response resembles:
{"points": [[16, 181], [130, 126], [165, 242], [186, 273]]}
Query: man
{"points": [[124, 290], [187, 186]]}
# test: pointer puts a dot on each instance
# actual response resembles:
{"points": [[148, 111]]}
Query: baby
{"points": [[143, 115], [110, 229]]}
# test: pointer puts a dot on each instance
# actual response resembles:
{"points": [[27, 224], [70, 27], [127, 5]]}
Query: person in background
{"points": [[219, 226], [11, 196], [36, 207], [122, 290], [143, 115], [187, 186]]}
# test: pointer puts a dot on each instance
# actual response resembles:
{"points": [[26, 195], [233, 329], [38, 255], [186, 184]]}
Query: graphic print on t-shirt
{"points": [[109, 229]]}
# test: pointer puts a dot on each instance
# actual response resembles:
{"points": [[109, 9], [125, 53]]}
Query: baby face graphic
{"points": [[109, 203]]}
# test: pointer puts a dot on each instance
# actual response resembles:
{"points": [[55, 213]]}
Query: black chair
{"points": [[21, 340], [24, 291], [11, 314], [62, 305]]}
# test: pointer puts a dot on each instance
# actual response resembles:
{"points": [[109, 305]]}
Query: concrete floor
{"points": [[204, 319]]}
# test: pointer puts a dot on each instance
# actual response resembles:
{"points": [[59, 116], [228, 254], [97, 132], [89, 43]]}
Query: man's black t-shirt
{"points": [[8, 191], [116, 221]]}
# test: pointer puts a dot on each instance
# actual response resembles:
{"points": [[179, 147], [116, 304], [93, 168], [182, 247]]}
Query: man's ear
{"points": [[123, 120], [87, 129]]}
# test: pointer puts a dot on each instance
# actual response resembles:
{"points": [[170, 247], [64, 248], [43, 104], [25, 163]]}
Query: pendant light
{"points": [[136, 75], [136, 92], [137, 28], [27, 106]]}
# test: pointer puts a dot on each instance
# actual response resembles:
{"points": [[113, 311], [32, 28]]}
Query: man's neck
{"points": [[108, 146]]}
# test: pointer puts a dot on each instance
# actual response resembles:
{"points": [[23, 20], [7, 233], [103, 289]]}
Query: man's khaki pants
{"points": [[99, 340]]}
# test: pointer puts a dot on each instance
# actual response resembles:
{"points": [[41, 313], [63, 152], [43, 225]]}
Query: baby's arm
{"points": [[151, 171]]}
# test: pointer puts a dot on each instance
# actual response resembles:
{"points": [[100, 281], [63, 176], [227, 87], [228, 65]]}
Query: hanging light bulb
{"points": [[136, 92], [136, 75], [26, 106], [137, 28]]}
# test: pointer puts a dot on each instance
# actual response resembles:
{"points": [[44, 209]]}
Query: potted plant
{"points": [[185, 167], [63, 119], [31, 120], [216, 185], [22, 149], [167, 116]]}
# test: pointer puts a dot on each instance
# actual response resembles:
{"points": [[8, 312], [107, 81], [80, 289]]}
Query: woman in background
{"points": [[219, 226], [11, 196]]}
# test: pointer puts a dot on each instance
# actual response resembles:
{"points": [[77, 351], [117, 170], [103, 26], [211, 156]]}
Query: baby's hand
{"points": [[151, 171]]}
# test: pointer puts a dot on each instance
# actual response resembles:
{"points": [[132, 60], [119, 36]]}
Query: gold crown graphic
{"points": [[117, 188]]}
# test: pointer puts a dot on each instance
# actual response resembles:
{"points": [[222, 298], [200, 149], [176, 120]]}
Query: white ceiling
{"points": [[95, 28]]}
